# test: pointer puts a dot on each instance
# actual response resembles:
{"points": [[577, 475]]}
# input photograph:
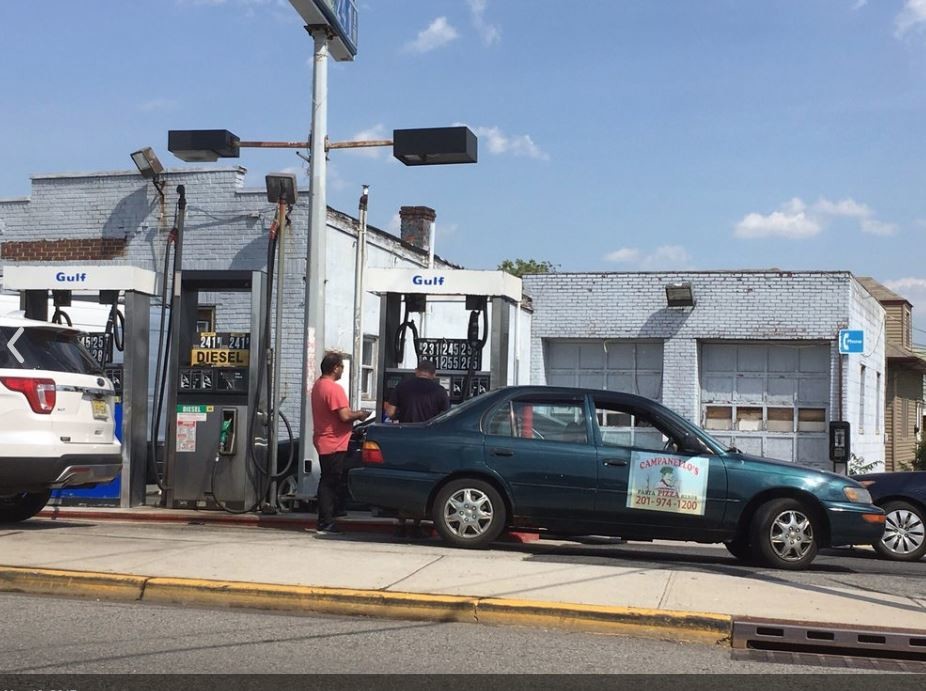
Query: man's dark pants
{"points": [[332, 487]]}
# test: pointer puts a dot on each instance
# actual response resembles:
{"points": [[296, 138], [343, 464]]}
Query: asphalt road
{"points": [[49, 635]]}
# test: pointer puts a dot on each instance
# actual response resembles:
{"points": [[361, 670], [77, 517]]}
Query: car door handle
{"points": [[502, 452], [614, 462]]}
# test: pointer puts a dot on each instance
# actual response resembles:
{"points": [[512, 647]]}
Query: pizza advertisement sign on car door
{"points": [[665, 482]]}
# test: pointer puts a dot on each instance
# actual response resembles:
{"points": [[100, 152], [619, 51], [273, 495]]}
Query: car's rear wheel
{"points": [[468, 513], [22, 505], [904, 536], [783, 534]]}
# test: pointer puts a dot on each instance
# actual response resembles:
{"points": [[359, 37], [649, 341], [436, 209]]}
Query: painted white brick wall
{"points": [[226, 228], [867, 433], [730, 305]]}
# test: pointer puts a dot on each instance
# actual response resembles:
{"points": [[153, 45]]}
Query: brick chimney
{"points": [[416, 225]]}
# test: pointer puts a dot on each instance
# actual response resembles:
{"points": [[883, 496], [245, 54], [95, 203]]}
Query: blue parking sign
{"points": [[851, 341]]}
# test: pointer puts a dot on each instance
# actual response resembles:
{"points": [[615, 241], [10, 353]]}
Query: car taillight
{"points": [[40, 393], [371, 453]]}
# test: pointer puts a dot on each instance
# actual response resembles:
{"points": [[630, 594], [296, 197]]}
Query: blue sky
{"points": [[613, 134]]}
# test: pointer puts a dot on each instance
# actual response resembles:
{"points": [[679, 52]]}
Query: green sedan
{"points": [[583, 462]]}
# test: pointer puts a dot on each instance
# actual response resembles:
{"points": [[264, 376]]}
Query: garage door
{"points": [[627, 366], [770, 399]]}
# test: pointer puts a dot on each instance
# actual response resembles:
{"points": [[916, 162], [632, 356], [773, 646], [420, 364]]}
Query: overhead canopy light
{"points": [[434, 146], [147, 163], [679, 295], [202, 146], [281, 187]]}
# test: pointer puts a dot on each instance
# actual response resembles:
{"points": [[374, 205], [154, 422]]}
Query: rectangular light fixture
{"points": [[147, 163], [281, 187], [434, 146], [679, 295], [202, 146]]}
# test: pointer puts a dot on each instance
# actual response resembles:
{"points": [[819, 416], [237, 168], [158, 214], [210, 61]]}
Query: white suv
{"points": [[56, 416]]}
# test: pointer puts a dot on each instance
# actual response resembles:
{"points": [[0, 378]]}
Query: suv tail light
{"points": [[39, 392], [371, 453]]}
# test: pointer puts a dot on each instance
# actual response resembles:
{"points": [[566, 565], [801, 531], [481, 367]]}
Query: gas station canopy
{"points": [[444, 282], [78, 277]]}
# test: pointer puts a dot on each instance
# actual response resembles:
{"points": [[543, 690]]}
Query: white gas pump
{"points": [[471, 337]]}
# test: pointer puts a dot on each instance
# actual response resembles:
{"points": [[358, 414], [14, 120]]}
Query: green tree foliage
{"points": [[919, 463], [520, 267]]}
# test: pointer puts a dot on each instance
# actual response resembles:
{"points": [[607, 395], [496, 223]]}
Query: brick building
{"points": [[117, 218], [754, 361]]}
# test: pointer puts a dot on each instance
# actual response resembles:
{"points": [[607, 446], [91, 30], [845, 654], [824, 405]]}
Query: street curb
{"points": [[662, 624], [106, 586]]}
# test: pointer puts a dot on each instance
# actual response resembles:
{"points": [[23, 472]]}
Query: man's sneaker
{"points": [[327, 529]]}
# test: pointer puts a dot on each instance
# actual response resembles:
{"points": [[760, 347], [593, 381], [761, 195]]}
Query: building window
{"points": [[368, 368], [878, 403], [811, 420], [861, 401], [205, 319]]}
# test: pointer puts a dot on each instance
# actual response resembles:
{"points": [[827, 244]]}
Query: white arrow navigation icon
{"points": [[12, 341]]}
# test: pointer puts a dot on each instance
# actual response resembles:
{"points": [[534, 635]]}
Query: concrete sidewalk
{"points": [[538, 573]]}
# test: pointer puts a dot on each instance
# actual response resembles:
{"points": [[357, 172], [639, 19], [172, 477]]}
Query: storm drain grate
{"points": [[875, 664], [828, 639]]}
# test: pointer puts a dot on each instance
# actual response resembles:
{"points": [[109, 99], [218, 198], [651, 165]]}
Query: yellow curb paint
{"points": [[289, 598], [109, 586], [651, 623]]}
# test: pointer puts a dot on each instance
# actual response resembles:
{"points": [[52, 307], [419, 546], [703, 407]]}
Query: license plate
{"points": [[100, 410]]}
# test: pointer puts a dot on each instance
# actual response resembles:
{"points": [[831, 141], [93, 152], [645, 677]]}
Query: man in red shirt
{"points": [[332, 422]]}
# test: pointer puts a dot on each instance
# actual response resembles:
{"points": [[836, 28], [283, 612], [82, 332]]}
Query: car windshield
{"points": [[45, 349], [702, 436]]}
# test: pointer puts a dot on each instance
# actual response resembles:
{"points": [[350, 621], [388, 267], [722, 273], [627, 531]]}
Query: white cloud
{"points": [[794, 219], [395, 224], [914, 289], [624, 254], [859, 4], [663, 257], [912, 17], [378, 131], [156, 104], [517, 145], [490, 33], [795, 205], [334, 180], [874, 227], [439, 33], [848, 208], [777, 224]]}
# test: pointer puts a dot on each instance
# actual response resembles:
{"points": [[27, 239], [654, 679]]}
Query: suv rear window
{"points": [[47, 349]]}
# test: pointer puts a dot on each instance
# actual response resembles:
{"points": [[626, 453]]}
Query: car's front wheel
{"points": [[22, 505], [904, 536], [740, 548], [468, 513], [783, 534]]}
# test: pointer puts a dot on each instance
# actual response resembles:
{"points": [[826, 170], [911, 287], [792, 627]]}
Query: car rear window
{"points": [[46, 349]]}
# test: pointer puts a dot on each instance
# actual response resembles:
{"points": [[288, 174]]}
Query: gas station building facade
{"points": [[754, 360]]}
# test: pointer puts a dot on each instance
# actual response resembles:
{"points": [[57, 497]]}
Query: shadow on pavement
{"points": [[35, 525]]}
